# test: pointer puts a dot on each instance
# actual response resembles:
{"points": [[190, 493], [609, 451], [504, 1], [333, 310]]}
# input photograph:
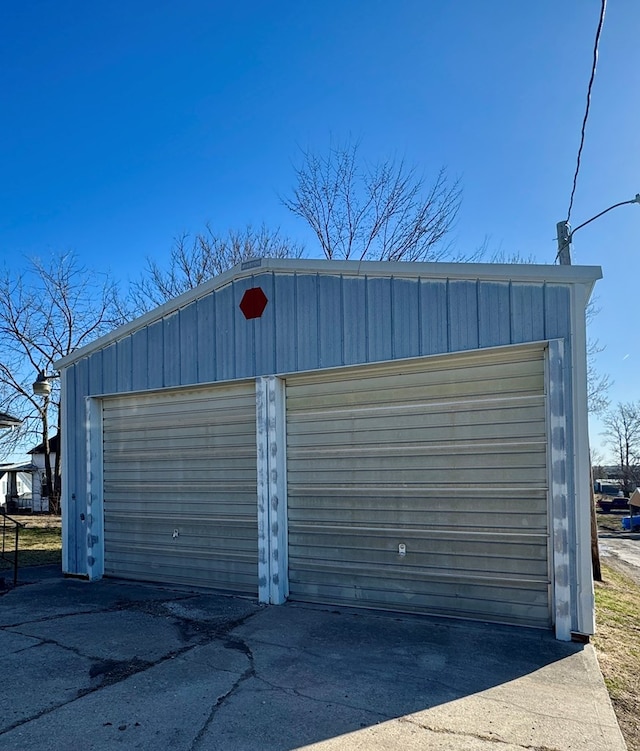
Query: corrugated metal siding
{"points": [[318, 321], [446, 456], [182, 461], [374, 321]]}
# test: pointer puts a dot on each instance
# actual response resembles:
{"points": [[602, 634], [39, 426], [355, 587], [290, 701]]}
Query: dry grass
{"points": [[611, 522], [617, 644], [39, 542]]}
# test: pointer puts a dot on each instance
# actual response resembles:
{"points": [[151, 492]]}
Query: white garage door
{"points": [[180, 494], [422, 486]]}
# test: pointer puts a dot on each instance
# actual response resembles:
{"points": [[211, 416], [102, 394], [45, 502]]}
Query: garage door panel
{"points": [[193, 532], [467, 410], [149, 405], [518, 386], [168, 446], [477, 521], [213, 572], [520, 606], [198, 545], [240, 502], [312, 476], [384, 379], [405, 457], [430, 563], [414, 580], [162, 472], [430, 519], [446, 458], [374, 538], [180, 503], [424, 446], [491, 427]]}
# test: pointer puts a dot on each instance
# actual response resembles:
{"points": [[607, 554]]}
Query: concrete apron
{"points": [[95, 665]]}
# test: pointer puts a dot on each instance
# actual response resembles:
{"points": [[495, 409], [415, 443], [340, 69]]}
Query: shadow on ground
{"points": [[110, 662]]}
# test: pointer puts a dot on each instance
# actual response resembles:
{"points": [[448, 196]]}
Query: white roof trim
{"points": [[493, 272]]}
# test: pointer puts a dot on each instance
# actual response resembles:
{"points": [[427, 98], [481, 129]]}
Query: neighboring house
{"points": [[400, 436], [15, 479], [40, 488], [7, 421], [16, 484]]}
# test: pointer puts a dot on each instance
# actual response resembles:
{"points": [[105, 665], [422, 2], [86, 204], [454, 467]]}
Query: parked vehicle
{"points": [[609, 495], [606, 504]]}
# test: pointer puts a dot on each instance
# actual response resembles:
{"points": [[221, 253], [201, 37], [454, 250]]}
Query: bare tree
{"points": [[623, 435], [198, 258], [383, 211], [46, 312], [598, 384], [597, 464]]}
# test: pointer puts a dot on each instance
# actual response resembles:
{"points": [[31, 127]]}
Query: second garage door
{"points": [[422, 486], [180, 487]]}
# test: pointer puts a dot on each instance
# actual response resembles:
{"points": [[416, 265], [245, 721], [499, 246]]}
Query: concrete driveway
{"points": [[625, 548], [120, 665]]}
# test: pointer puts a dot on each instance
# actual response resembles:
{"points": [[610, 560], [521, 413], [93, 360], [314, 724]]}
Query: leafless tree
{"points": [[598, 384], [47, 311], [597, 464], [195, 259], [383, 211], [623, 435]]}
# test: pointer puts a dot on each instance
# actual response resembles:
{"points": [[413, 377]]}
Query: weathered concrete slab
{"points": [[38, 680], [115, 664], [166, 706], [58, 596]]}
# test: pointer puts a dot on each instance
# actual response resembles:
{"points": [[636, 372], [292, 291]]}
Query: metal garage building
{"points": [[405, 436]]}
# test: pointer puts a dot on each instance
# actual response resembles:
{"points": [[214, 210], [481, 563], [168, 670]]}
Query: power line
{"points": [[586, 113]]}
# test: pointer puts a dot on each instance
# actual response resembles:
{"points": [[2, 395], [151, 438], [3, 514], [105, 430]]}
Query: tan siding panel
{"points": [[180, 487], [446, 457]]}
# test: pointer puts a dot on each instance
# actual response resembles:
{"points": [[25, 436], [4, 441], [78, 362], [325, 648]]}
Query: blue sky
{"points": [[123, 125]]}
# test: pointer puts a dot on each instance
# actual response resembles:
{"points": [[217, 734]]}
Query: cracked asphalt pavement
{"points": [[114, 664]]}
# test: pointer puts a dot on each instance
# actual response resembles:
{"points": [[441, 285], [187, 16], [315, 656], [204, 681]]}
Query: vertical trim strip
{"points": [[273, 569], [559, 490], [95, 505], [278, 548], [581, 462], [65, 466], [262, 459]]}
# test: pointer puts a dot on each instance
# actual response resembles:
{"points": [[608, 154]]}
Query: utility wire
{"points": [[586, 113]]}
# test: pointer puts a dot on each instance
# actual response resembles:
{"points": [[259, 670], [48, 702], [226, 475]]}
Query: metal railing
{"points": [[10, 533]]}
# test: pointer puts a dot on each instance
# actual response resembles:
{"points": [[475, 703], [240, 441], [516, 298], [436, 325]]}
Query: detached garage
{"points": [[402, 436]]}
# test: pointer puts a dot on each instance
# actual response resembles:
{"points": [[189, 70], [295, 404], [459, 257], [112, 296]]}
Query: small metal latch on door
{"points": [[402, 549], [176, 533]]}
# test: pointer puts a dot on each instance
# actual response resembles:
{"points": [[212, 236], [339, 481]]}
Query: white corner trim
{"points": [[581, 461], [559, 491], [95, 504], [262, 459], [273, 569], [64, 469], [278, 515]]}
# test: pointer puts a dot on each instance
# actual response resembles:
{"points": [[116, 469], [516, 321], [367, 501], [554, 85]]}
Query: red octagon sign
{"points": [[253, 303]]}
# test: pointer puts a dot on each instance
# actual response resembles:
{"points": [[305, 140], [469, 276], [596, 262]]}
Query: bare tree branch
{"points": [[623, 436], [382, 211], [197, 259], [46, 312]]}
